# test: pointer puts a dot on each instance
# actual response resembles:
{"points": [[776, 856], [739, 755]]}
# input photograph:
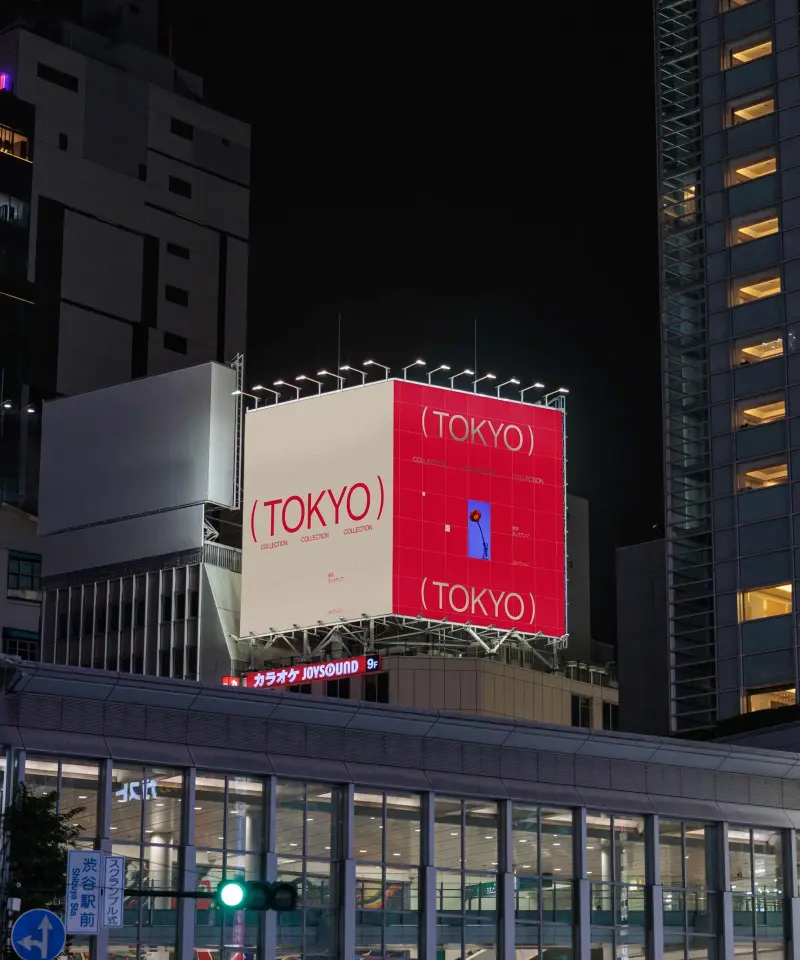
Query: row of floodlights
{"points": [[8, 405], [386, 370]]}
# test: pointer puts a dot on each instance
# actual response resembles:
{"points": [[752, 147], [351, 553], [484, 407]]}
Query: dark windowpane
{"points": [[173, 342], [140, 613], [339, 688], [181, 129], [166, 607], [51, 75], [178, 251], [180, 606], [581, 711], [176, 295], [194, 604], [376, 688], [182, 187]]}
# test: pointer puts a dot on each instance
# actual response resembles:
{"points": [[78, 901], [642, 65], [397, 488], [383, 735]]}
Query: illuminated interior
{"points": [[752, 169], [753, 110], [726, 5], [762, 476], [765, 602], [748, 289], [14, 143], [762, 413], [770, 699], [753, 51], [754, 227], [764, 349]]}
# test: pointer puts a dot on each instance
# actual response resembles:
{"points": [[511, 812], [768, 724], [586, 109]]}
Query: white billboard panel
{"points": [[318, 481], [136, 448]]}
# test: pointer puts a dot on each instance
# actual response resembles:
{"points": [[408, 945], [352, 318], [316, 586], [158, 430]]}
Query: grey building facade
{"points": [[729, 171], [124, 217]]}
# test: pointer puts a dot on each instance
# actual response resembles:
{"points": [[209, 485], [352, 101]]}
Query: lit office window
{"points": [[754, 856], [752, 166], [756, 286], [747, 49], [771, 698], [14, 143], [759, 347], [763, 474], [77, 783], [762, 602], [726, 5], [753, 226], [679, 207], [752, 107], [753, 413]]}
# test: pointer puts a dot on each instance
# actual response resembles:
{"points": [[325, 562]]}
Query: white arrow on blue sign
{"points": [[38, 935]]}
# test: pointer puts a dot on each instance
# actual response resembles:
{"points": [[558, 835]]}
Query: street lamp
{"points": [[6, 404], [442, 367], [327, 373], [311, 380], [283, 383], [505, 383], [533, 386], [463, 373], [552, 393], [487, 376], [362, 373], [374, 363], [267, 390], [241, 393], [416, 363]]}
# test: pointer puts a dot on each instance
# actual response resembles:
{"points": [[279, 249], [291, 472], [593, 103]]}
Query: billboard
{"points": [[310, 672], [399, 498]]}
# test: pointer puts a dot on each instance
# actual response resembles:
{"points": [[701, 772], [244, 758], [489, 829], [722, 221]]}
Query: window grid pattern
{"points": [[23, 580], [144, 808], [686, 410]]}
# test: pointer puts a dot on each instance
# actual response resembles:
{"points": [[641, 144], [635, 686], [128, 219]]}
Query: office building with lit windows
{"points": [[409, 833], [728, 99]]}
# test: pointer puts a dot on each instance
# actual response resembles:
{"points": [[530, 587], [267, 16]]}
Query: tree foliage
{"points": [[37, 838]]}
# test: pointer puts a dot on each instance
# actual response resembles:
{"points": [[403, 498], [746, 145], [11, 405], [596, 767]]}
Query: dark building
{"points": [[729, 174]]}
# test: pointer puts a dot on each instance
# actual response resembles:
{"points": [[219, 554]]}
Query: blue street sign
{"points": [[38, 935]]}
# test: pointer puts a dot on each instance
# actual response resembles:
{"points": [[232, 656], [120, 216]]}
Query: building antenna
{"points": [[339, 344], [475, 342]]}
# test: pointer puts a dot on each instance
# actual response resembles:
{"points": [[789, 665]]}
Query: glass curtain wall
{"points": [[229, 842], [466, 860], [615, 867], [542, 864], [756, 866], [306, 844], [386, 847], [690, 898]]}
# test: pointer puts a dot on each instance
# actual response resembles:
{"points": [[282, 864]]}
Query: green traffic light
{"points": [[231, 893]]}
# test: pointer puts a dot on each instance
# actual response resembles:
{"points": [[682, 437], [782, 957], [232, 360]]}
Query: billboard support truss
{"points": [[399, 635]]}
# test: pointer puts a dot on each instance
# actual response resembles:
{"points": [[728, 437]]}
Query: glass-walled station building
{"points": [[409, 834]]}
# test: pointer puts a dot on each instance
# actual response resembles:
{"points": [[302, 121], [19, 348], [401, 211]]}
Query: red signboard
{"points": [[478, 510], [312, 672]]}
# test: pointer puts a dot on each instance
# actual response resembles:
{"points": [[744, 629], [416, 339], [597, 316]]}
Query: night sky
{"points": [[416, 174]]}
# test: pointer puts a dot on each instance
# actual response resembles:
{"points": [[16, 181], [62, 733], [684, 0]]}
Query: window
{"points": [[680, 205], [747, 49], [752, 413], [21, 643], [726, 5], [338, 688], [166, 608], [765, 473], [753, 226], [581, 711], [61, 79], [771, 698], [175, 343], [181, 129], [182, 187], [755, 349], [610, 715], [687, 866], [752, 166], [176, 250], [24, 572], [143, 171], [63, 141], [757, 889], [756, 286], [77, 783], [13, 211], [13, 143], [176, 295], [751, 107], [376, 688], [300, 688], [762, 602]]}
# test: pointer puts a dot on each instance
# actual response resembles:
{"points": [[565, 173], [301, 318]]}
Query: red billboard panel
{"points": [[478, 510]]}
